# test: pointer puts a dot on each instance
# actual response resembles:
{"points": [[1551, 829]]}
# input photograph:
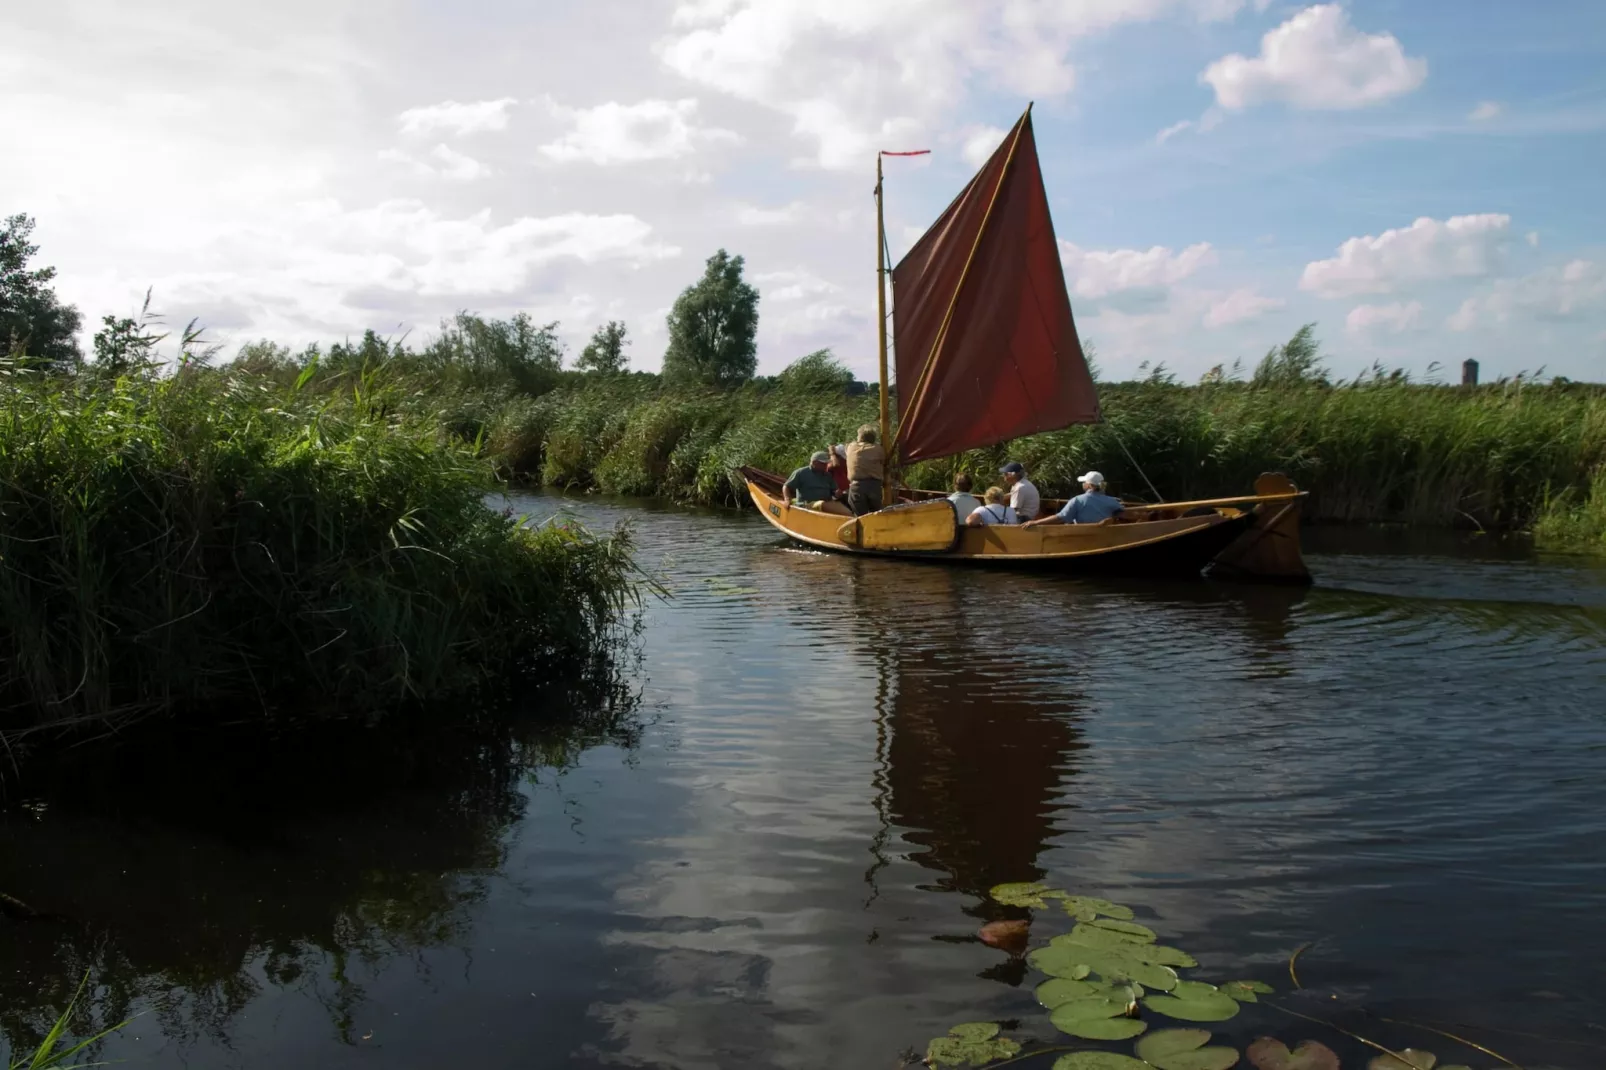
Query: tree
{"points": [[487, 352], [713, 326], [33, 322], [606, 350]]}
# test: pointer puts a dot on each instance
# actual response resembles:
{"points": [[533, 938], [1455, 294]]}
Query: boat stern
{"points": [[1269, 550]]}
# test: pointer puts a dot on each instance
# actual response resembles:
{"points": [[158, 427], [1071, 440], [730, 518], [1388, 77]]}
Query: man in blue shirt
{"points": [[1089, 507]]}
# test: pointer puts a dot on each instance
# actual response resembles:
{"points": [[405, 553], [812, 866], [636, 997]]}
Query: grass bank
{"points": [[1502, 457], [230, 546]]}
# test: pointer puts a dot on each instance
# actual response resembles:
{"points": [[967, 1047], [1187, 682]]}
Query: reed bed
{"points": [[1499, 457], [229, 546]]}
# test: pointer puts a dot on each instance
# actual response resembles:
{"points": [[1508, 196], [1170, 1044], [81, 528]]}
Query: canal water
{"points": [[774, 850]]}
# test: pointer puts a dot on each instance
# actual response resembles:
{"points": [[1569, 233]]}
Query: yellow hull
{"points": [[1256, 535]]}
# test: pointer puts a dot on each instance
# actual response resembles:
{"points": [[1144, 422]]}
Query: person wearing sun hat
{"points": [[1089, 507], [1023, 496]]}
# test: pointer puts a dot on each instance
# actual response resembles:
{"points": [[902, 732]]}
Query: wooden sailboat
{"points": [[987, 351]]}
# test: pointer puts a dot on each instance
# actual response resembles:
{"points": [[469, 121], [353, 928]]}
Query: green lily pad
{"points": [[1089, 1007], [1198, 1006], [970, 1044], [1194, 990], [1269, 1053], [1064, 954], [1184, 1049], [1130, 929], [1127, 944], [1021, 894], [1103, 1028], [1057, 990], [1245, 991], [1086, 908], [1413, 1060], [1098, 1060]]}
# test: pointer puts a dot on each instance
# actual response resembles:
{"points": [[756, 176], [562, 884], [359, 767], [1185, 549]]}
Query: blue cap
{"points": [[1013, 468]]}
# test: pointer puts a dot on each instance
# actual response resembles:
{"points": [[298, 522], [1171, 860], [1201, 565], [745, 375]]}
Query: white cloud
{"points": [[1486, 110], [1533, 239], [476, 117], [752, 215], [1569, 291], [1426, 251], [980, 142], [1396, 318], [854, 77], [1240, 306], [450, 164], [1317, 59], [1172, 131], [631, 133], [1098, 273], [793, 285]]}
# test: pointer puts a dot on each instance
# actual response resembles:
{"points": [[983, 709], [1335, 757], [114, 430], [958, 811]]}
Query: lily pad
{"points": [[1086, 1008], [1269, 1053], [1057, 990], [1087, 907], [1245, 991], [1098, 1060], [970, 1044], [1064, 955], [1130, 929], [1413, 1060], [1194, 990], [1126, 943], [1184, 1049], [1010, 936], [1200, 1003], [1020, 894], [1103, 1028]]}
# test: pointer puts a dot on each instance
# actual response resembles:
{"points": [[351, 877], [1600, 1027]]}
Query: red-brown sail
{"points": [[986, 346]]}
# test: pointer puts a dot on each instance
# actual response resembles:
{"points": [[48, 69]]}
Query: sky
{"points": [[1420, 178]]}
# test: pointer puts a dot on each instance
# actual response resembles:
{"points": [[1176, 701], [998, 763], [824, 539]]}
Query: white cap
{"points": [[1095, 478]]}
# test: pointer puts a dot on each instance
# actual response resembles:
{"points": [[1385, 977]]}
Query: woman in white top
{"points": [[997, 510]]}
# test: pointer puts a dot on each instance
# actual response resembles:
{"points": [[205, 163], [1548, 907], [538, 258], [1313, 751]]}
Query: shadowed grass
{"points": [[209, 541]]}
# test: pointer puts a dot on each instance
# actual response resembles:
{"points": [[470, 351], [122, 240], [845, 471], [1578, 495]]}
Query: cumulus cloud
{"points": [[1488, 109], [752, 215], [1426, 251], [631, 133], [1565, 292], [793, 285], [1317, 59], [475, 117], [1240, 306], [1098, 273], [1395, 318], [853, 76], [447, 163], [980, 142]]}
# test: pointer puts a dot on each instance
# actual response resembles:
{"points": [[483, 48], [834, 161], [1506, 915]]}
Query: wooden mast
{"points": [[881, 334]]}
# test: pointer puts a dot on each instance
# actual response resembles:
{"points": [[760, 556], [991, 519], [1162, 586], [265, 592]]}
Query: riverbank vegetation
{"points": [[201, 541]]}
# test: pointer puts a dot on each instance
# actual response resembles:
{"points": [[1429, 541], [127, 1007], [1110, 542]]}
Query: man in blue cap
{"points": [[1023, 497]]}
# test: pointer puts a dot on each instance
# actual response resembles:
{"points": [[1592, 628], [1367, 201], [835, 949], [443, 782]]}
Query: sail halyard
{"points": [[881, 272], [985, 333]]}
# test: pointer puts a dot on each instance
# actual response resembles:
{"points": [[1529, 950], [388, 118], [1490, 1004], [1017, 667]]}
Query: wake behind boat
{"points": [[988, 347]]}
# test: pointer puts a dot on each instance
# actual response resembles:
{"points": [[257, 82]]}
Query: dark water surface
{"points": [[784, 866]]}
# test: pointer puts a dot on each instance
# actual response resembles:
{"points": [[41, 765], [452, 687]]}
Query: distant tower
{"points": [[1469, 373]]}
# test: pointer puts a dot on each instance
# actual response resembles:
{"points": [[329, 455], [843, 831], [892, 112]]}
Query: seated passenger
{"points": [[1023, 496], [965, 502], [1089, 507], [996, 511], [812, 488]]}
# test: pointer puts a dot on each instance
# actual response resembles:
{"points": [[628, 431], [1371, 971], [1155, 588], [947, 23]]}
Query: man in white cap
{"points": [[1023, 496], [1089, 507], [812, 488]]}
